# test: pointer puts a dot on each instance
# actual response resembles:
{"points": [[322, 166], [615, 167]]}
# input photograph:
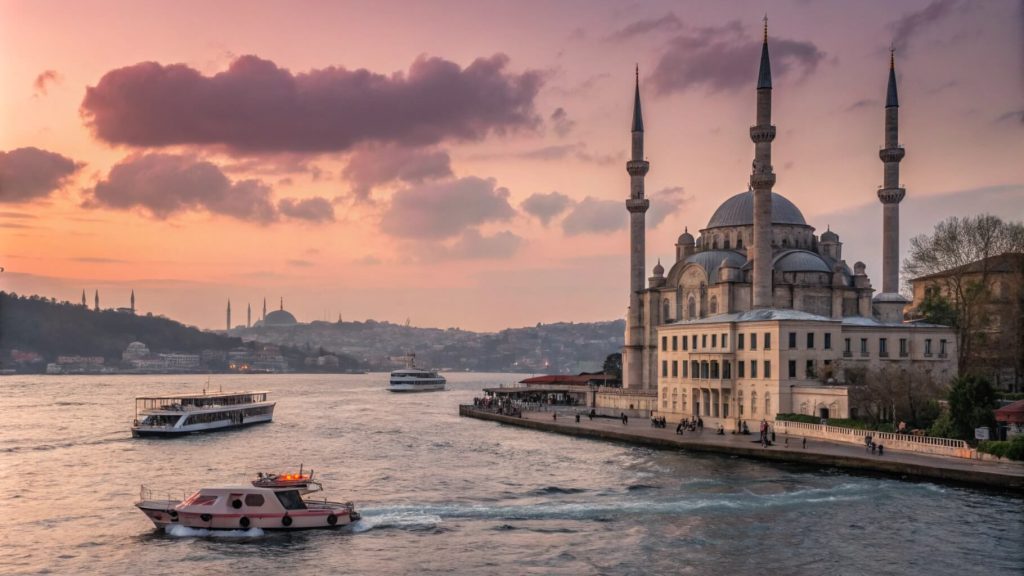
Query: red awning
{"points": [[1011, 413]]}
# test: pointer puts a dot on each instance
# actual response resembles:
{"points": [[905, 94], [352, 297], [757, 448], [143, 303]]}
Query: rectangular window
{"points": [[675, 343], [703, 340], [753, 341], [664, 343], [694, 370], [693, 342], [883, 347], [810, 370], [714, 340], [741, 371], [904, 349], [810, 340], [753, 368], [792, 340], [725, 340], [863, 346], [675, 369], [767, 340], [739, 341], [685, 371], [792, 368], [664, 368], [927, 346], [942, 348], [767, 369], [828, 340], [686, 342], [847, 351]]}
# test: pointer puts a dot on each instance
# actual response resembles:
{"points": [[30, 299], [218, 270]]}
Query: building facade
{"points": [[707, 335]]}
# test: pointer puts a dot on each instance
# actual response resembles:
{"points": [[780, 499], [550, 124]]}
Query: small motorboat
{"points": [[271, 502]]}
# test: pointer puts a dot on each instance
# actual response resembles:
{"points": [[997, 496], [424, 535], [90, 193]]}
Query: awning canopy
{"points": [[1011, 413]]}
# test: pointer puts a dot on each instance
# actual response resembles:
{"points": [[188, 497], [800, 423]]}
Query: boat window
{"points": [[198, 499], [291, 500], [254, 499]]}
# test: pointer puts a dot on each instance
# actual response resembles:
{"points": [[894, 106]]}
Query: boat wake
{"points": [[179, 531], [407, 520]]}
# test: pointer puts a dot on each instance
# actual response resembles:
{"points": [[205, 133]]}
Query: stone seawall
{"points": [[820, 453]]}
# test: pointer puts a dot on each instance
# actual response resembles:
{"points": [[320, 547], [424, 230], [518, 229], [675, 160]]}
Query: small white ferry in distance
{"points": [[190, 413], [413, 379], [272, 502]]}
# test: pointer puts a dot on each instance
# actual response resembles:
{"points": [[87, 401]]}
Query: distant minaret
{"points": [[133, 302], [889, 304], [636, 205], [248, 315], [264, 309], [229, 315], [762, 178], [282, 302], [96, 306], [84, 303]]}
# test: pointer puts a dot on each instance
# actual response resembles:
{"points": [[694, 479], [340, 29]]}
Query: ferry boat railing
{"points": [[147, 493]]}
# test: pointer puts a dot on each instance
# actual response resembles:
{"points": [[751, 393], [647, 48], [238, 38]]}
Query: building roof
{"points": [[759, 315], [739, 211], [1005, 262], [1011, 413], [800, 261], [280, 318], [568, 379]]}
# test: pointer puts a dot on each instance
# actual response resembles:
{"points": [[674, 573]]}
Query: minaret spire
{"points": [[96, 306], [633, 358], [264, 308], [889, 303], [133, 302], [762, 179], [229, 316], [84, 303], [248, 315]]}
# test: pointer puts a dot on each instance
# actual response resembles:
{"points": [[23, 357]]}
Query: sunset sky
{"points": [[463, 163]]}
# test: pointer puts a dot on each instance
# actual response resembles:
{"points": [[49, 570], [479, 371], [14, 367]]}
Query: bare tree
{"points": [[959, 253], [893, 394]]}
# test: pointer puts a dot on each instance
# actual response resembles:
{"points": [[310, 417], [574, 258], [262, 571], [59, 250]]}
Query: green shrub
{"points": [[1011, 449]]}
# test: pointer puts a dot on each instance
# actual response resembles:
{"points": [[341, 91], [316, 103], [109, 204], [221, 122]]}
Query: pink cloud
{"points": [[445, 209], [43, 79], [30, 173], [257, 107], [369, 167]]}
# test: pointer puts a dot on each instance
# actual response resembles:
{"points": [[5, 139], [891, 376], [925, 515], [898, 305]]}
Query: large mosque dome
{"points": [[739, 211], [280, 318]]}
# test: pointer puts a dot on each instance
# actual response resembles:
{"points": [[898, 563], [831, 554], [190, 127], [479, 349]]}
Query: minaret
{"points": [[762, 178], [282, 302], [229, 315], [84, 303], [96, 301], [133, 302], [889, 304], [248, 315], [636, 205], [264, 309]]}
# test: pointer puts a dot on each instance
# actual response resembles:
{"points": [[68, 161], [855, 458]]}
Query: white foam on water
{"points": [[412, 520], [179, 531]]}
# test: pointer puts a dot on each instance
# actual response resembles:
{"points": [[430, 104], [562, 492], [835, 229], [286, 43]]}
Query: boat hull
{"points": [[297, 520], [410, 387], [169, 431]]}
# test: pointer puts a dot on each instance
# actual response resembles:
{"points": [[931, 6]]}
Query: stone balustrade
{"points": [[891, 441]]}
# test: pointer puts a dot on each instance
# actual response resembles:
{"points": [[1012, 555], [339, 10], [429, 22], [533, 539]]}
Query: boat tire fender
{"points": [[236, 503], [205, 517], [173, 514], [244, 522], [286, 520], [332, 519]]}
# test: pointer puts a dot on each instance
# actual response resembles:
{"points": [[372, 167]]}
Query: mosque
{"points": [[758, 315], [279, 317]]}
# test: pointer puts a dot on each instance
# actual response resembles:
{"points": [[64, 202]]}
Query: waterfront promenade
{"points": [[1008, 476]]}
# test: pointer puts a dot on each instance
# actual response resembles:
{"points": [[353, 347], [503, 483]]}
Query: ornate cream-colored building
{"points": [[758, 315]]}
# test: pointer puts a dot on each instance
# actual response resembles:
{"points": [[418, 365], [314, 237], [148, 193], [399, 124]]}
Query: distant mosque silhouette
{"points": [[280, 317]]}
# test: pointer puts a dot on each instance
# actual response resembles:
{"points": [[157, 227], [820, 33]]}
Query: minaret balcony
{"points": [[891, 154], [891, 195], [762, 180], [638, 204], [762, 134], [638, 167]]}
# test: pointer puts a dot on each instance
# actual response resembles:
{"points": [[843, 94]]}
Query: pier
{"points": [[792, 448]]}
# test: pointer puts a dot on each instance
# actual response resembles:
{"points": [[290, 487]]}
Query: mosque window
{"points": [[739, 242], [739, 341], [828, 341], [726, 370], [739, 402], [686, 342], [741, 369], [675, 343], [767, 369], [685, 371], [725, 243], [714, 340], [753, 403], [753, 341], [792, 368], [675, 368], [691, 309], [664, 368], [767, 340], [767, 404], [810, 340], [792, 340], [714, 369], [753, 368], [666, 307], [714, 305]]}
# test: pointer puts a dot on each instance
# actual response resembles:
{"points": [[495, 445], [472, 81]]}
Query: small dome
{"points": [[280, 318], [800, 261], [739, 211], [711, 260], [830, 236], [685, 239], [659, 270], [139, 346]]}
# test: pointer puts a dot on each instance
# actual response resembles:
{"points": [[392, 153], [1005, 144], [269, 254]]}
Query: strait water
{"points": [[442, 494]]}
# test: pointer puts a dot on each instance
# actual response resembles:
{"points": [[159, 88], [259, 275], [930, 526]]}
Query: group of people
{"points": [[767, 434], [502, 406], [695, 425], [658, 421], [872, 446]]}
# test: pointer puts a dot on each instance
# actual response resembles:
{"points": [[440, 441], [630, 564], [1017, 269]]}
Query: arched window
{"points": [[785, 242], [714, 305], [667, 308], [725, 244], [753, 403], [714, 242], [739, 241], [767, 404], [691, 309]]}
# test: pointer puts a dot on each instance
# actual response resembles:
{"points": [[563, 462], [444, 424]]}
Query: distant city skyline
{"points": [[353, 161]]}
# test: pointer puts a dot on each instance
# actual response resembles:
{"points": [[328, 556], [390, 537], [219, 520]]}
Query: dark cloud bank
{"points": [[257, 107], [30, 173]]}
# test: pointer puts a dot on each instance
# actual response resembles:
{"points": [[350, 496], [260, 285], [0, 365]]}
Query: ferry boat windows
{"points": [[291, 500], [254, 500]]}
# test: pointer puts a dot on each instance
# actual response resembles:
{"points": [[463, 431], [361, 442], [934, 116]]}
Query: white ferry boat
{"points": [[413, 379], [272, 502], [189, 413]]}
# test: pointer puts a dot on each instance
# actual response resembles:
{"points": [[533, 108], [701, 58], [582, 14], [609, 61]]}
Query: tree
{"points": [[613, 366], [971, 404], [959, 249], [893, 394]]}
